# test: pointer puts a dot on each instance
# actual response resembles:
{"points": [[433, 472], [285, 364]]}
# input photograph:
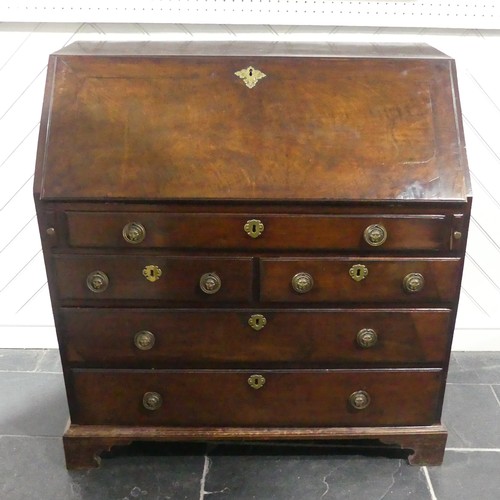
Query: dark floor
{"points": [[33, 415]]}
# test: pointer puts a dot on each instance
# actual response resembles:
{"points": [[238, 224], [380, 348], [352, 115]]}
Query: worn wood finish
{"points": [[334, 138], [84, 444], [191, 337], [288, 398], [224, 231]]}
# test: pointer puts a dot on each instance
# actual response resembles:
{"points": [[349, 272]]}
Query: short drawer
{"points": [[151, 277], [404, 280], [211, 338], [259, 231], [233, 398]]}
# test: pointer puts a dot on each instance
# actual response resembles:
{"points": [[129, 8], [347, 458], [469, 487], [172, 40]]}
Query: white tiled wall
{"points": [[25, 312]]}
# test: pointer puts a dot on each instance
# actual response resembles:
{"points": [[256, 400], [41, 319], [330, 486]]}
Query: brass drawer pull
{"points": [[413, 282], [257, 321], [152, 273], [254, 228], [359, 400], [97, 281], [375, 235], [134, 233], [210, 283], [144, 340], [366, 338], [302, 282], [358, 272], [152, 401], [256, 381]]}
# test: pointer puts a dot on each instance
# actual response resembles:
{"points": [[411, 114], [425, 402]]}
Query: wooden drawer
{"points": [[384, 281], [225, 398], [226, 231], [205, 338], [179, 280]]}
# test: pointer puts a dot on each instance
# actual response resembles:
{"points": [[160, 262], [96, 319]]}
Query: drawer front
{"points": [[180, 278], [190, 338], [359, 280], [225, 398], [229, 231]]}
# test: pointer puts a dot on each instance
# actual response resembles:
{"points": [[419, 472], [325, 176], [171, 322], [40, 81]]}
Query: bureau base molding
{"points": [[83, 444]]}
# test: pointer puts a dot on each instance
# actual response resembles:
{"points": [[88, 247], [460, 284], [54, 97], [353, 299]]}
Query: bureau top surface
{"points": [[191, 121]]}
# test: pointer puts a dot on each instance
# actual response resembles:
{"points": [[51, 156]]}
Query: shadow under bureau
{"points": [[253, 241]]}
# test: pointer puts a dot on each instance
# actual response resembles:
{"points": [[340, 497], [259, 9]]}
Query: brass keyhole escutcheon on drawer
{"points": [[250, 76], [210, 283], [358, 272], [375, 235], [257, 321], [256, 381], [134, 233], [366, 338], [413, 282], [302, 282], [254, 228], [359, 400], [152, 401], [144, 340], [152, 273], [97, 281]]}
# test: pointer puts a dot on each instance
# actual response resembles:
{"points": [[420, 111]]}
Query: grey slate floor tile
{"points": [[471, 414], [19, 360], [474, 368], [32, 404], [280, 473], [50, 361], [33, 468], [467, 476]]}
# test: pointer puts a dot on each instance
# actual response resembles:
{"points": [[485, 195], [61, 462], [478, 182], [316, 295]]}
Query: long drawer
{"points": [[285, 398], [261, 231], [359, 279], [142, 277], [193, 337]]}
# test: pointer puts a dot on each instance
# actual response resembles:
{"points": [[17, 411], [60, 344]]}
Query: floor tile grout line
{"points": [[31, 371], [429, 483], [206, 467], [495, 394], [473, 383], [474, 450]]}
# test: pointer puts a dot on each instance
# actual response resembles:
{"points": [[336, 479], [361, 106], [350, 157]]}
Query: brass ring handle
{"points": [[134, 233], [210, 283], [366, 338], [359, 400], [375, 235], [97, 281], [152, 401], [256, 381], [302, 282], [254, 228], [144, 340], [413, 282]]}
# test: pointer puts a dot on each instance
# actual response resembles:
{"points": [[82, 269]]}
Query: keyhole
{"points": [[358, 272], [257, 321], [254, 228], [250, 72], [151, 273]]}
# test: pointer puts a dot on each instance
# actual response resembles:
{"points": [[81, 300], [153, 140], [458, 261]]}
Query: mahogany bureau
{"points": [[253, 241]]}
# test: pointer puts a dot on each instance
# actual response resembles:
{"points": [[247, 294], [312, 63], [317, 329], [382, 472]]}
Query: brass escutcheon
{"points": [[257, 321], [210, 283], [366, 337], [359, 400], [254, 228], [250, 76], [358, 272], [144, 340], [302, 282], [134, 232], [97, 281], [256, 381], [152, 401], [413, 282], [152, 273], [375, 235]]}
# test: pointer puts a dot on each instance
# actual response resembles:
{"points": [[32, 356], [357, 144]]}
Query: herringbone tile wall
{"points": [[25, 312]]}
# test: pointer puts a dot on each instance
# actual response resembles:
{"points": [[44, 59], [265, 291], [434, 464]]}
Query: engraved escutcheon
{"points": [[250, 76], [254, 228], [257, 321], [256, 381], [152, 273], [358, 272]]}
